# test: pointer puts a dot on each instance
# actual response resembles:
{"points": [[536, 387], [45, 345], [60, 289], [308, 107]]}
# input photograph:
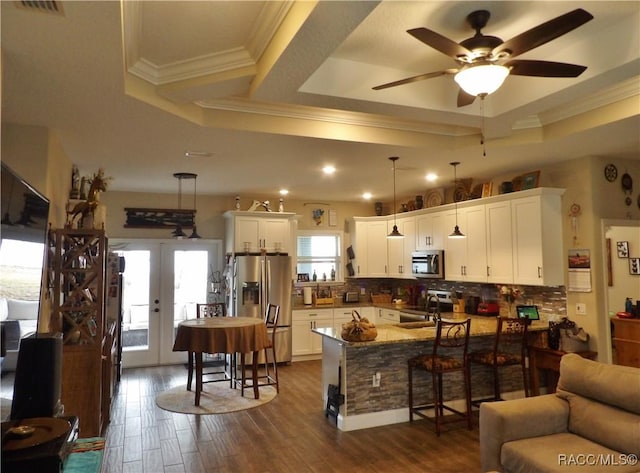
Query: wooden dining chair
{"points": [[214, 309]]}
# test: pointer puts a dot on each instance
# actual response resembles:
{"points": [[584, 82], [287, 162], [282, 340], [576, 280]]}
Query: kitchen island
{"points": [[373, 375]]}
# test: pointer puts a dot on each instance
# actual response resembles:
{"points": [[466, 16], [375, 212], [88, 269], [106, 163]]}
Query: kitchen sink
{"points": [[415, 325]]}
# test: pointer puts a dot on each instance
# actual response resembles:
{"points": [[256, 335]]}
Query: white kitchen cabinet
{"points": [[370, 313], [538, 258], [370, 246], [304, 341], [499, 243], [466, 258], [388, 316], [270, 231], [430, 231], [343, 315], [399, 250]]}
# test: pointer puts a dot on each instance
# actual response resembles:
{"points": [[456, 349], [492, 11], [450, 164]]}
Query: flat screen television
{"points": [[23, 238]]}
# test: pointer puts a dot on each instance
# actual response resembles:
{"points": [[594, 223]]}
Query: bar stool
{"points": [[509, 349], [449, 355], [215, 309], [267, 377]]}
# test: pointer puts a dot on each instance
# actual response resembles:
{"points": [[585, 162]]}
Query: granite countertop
{"points": [[401, 332]]}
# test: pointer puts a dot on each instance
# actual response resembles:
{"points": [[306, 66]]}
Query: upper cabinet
{"points": [[499, 242], [430, 230], [536, 224], [505, 242], [257, 231], [399, 250], [370, 246], [466, 258]]}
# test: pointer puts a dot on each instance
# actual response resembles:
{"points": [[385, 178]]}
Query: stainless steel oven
{"points": [[428, 264]]}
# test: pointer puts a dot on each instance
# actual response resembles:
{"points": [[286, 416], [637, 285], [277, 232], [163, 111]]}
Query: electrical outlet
{"points": [[581, 308], [376, 380]]}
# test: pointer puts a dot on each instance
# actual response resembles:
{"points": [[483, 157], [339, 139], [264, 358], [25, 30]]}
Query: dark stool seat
{"points": [[449, 355]]}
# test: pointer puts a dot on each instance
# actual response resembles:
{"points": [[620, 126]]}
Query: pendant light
{"points": [[456, 231], [394, 233], [178, 232], [194, 234]]}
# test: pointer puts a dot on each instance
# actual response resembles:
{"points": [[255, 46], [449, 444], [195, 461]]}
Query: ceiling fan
{"points": [[485, 61]]}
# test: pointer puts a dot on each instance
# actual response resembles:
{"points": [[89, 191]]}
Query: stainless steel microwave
{"points": [[428, 264]]}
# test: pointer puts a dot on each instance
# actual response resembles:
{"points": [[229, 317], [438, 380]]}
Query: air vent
{"points": [[46, 6]]}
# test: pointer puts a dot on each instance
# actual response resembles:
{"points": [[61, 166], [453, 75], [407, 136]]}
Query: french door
{"points": [[162, 283]]}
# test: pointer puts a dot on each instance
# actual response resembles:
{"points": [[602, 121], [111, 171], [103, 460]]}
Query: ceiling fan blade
{"points": [[408, 80], [439, 42], [521, 67], [465, 98], [543, 33]]}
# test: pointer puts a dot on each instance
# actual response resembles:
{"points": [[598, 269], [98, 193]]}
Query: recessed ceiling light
{"points": [[431, 177], [328, 169], [366, 195], [284, 191], [197, 154]]}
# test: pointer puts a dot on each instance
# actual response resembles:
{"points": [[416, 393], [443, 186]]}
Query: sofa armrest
{"points": [[503, 421]]}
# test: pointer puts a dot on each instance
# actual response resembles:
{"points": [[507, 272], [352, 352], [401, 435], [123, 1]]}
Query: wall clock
{"points": [[610, 172]]}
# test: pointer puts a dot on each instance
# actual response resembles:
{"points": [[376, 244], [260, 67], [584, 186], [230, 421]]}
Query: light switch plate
{"points": [[581, 308]]}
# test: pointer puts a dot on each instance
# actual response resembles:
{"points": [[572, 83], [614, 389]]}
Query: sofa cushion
{"points": [[4, 309], [610, 384], [562, 453], [612, 427], [22, 310]]}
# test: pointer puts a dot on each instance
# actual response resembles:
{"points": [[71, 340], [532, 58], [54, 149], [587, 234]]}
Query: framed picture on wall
{"points": [[634, 266], [623, 249], [530, 180]]}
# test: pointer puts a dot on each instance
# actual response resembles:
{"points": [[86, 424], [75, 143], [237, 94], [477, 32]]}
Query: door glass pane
{"points": [[135, 300], [191, 270]]}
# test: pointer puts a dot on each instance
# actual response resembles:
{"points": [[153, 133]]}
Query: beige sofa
{"points": [[592, 423]]}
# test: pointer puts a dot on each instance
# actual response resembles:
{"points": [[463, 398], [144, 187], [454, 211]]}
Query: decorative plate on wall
{"points": [[610, 172], [433, 198]]}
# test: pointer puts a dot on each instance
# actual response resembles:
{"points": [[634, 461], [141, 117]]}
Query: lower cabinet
{"points": [[305, 342], [388, 316]]}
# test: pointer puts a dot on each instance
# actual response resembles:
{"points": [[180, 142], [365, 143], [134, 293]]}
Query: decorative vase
{"points": [[419, 202], [378, 208]]}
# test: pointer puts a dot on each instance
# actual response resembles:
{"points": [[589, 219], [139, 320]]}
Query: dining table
{"points": [[229, 335]]}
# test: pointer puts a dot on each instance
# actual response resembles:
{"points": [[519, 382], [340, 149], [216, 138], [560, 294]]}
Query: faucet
{"points": [[433, 310]]}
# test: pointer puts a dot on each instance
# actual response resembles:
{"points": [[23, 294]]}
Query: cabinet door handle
{"points": [[488, 272], [539, 271]]}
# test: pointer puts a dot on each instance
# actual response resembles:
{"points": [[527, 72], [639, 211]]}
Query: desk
{"points": [[548, 361], [222, 335]]}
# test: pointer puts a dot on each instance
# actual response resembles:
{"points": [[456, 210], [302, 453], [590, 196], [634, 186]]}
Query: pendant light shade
{"points": [[394, 233], [456, 230]]}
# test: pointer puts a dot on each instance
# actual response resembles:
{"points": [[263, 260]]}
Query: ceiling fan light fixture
{"points": [[481, 79]]}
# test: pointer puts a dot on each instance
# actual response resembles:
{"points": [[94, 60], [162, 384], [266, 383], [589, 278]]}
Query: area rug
{"points": [[216, 398], [85, 456]]}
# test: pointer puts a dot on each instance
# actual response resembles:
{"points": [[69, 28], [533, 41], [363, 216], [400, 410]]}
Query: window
{"points": [[319, 253]]}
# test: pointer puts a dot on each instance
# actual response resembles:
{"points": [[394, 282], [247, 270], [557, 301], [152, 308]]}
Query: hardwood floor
{"points": [[289, 434]]}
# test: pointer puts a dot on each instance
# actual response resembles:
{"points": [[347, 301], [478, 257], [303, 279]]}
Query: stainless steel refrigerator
{"points": [[258, 280]]}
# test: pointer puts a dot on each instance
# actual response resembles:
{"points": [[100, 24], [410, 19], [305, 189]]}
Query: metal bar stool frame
{"points": [[511, 333], [452, 336]]}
